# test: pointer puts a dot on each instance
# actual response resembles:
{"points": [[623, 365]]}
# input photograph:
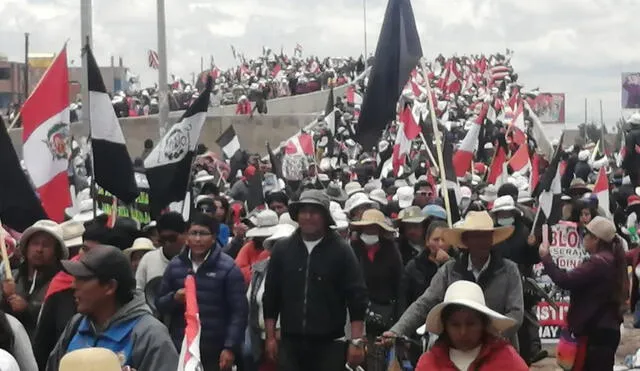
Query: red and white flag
{"points": [[46, 138], [407, 132], [464, 155], [601, 190], [520, 160], [352, 96], [190, 351], [301, 144], [154, 59]]}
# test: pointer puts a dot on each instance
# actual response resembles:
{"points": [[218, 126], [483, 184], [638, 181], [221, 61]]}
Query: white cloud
{"points": [[578, 47]]}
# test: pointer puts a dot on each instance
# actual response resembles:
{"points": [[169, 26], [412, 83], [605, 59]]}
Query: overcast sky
{"points": [[577, 47]]}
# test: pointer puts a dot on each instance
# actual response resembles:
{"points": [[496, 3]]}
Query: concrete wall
{"points": [[252, 132]]}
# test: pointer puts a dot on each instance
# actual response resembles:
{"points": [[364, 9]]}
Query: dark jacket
{"points": [[29, 317], [221, 300], [516, 249], [407, 252], [416, 278], [382, 276], [591, 286], [311, 292], [132, 333], [631, 159], [57, 311]]}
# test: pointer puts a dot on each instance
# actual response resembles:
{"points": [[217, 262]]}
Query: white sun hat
{"points": [[355, 201], [404, 196], [280, 231], [266, 222], [470, 295], [503, 203]]}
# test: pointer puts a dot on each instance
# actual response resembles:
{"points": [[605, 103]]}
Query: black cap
{"points": [[104, 262]]}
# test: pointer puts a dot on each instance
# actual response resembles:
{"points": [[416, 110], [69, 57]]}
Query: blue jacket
{"points": [[221, 300], [138, 338]]}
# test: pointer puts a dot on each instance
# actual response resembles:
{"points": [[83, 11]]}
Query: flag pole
{"points": [[436, 134], [364, 17], [163, 89], [86, 38]]}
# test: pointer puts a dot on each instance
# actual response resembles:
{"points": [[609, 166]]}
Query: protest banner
{"points": [[549, 107], [630, 91], [138, 211], [567, 251]]}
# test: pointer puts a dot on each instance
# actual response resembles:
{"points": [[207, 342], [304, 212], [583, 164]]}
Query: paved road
{"points": [[629, 344]]}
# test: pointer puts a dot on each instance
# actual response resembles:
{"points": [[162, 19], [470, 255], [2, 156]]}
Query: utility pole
{"points": [[163, 89], [585, 111], [26, 66], [86, 25]]}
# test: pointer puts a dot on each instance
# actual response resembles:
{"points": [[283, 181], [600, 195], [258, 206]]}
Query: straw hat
{"points": [[203, 176], [578, 187], [49, 227], [476, 221], [470, 295], [602, 228], [373, 217], [90, 359], [140, 244]]}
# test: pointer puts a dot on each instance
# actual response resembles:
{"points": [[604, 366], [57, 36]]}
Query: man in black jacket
{"points": [[313, 279]]}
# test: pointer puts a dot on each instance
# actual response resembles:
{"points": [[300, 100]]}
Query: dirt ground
{"points": [[629, 344]]}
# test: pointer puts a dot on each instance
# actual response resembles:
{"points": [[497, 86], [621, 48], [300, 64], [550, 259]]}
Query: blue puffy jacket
{"points": [[221, 300]]}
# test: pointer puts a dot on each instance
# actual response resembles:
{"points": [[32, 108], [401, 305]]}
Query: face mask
{"points": [[506, 221], [369, 239]]}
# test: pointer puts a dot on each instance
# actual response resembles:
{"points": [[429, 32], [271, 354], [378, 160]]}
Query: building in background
{"points": [[12, 78]]}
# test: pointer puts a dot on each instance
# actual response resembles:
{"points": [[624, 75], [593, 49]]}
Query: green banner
{"points": [[138, 211]]}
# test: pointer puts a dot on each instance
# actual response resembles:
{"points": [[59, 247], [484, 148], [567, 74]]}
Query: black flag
{"points": [[397, 54], [19, 205]]}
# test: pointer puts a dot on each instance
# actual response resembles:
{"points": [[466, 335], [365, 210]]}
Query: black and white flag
{"points": [[113, 168], [228, 142], [168, 166]]}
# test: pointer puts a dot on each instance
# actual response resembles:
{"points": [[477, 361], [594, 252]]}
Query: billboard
{"points": [[630, 88], [549, 107]]}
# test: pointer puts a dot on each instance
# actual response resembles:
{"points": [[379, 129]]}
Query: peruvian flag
{"points": [[352, 96], [409, 130], [276, 70], [190, 351], [46, 137], [601, 190], [464, 155], [535, 172], [520, 160], [301, 144], [497, 165]]}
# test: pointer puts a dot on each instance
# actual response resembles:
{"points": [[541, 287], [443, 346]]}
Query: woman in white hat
{"points": [[253, 251], [382, 267], [469, 334]]}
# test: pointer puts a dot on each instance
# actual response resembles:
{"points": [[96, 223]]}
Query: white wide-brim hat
{"points": [[470, 295], [90, 359], [49, 227]]}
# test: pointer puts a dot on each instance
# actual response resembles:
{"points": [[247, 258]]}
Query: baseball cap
{"points": [[105, 262]]}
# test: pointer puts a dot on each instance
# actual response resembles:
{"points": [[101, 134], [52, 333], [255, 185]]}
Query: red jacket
{"points": [[249, 256], [495, 355]]}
